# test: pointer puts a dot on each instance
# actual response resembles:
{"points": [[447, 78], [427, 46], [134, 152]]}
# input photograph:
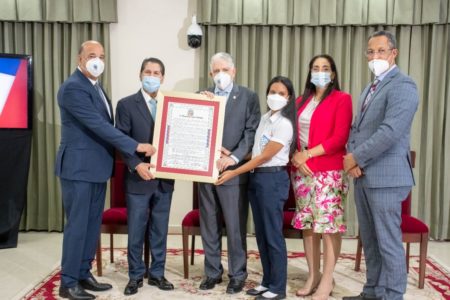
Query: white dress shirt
{"points": [[276, 128]]}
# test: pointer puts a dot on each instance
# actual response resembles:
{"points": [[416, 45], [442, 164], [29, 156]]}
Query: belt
{"points": [[268, 169]]}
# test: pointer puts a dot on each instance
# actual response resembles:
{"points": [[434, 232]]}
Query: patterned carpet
{"points": [[348, 282]]}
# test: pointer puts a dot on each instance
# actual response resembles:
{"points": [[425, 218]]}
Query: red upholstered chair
{"points": [[413, 231], [114, 219], [191, 226]]}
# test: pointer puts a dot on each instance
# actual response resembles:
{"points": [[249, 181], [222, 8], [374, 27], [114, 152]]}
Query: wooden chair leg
{"points": [[185, 238], [111, 247], [192, 249], [98, 256], [423, 256], [358, 254], [407, 257]]}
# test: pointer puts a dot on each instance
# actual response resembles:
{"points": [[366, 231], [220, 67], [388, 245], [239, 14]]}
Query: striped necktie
{"points": [[372, 89]]}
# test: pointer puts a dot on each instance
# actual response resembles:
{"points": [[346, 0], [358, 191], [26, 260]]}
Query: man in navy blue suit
{"points": [[148, 201], [84, 164]]}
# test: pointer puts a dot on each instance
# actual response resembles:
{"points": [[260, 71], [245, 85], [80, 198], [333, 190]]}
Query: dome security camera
{"points": [[194, 34]]}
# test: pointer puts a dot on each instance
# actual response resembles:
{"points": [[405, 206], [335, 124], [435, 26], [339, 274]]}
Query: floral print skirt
{"points": [[320, 201]]}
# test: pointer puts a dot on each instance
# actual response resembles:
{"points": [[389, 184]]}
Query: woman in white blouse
{"points": [[268, 187]]}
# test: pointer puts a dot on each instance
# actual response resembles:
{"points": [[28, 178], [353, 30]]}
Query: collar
{"points": [[228, 89], [272, 118], [94, 82], [146, 96], [382, 76]]}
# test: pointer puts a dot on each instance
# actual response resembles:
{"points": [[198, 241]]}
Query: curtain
{"points": [[261, 52], [71, 11], [54, 47], [323, 12]]}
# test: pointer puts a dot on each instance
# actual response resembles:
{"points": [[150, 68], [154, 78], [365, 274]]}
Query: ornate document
{"points": [[188, 136]]}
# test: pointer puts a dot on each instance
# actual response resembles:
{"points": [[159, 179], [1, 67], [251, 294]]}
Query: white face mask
{"points": [[378, 66], [320, 79], [222, 80], [276, 102], [95, 66]]}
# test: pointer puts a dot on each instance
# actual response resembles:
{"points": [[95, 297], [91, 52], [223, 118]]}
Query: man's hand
{"points": [[148, 149], [208, 94], [224, 151], [349, 162], [355, 172], [224, 177], [224, 162], [143, 169]]}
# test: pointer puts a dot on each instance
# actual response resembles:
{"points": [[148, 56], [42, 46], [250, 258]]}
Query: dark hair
{"points": [[310, 88], [390, 36], [289, 111], [155, 61]]}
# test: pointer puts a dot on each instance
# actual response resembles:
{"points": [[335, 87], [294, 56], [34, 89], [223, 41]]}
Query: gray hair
{"points": [[221, 56], [390, 36]]}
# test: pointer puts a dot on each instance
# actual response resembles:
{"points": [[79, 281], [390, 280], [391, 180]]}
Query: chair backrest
{"points": [[118, 183], [406, 204]]}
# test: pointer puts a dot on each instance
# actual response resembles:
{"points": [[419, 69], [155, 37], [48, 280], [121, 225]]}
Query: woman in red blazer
{"points": [[324, 118]]}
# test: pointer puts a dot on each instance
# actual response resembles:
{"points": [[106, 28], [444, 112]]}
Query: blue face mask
{"points": [[151, 84], [320, 79]]}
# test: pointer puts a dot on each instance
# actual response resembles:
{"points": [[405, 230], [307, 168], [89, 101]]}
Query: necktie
{"points": [[152, 106], [372, 89], [100, 92], [222, 93]]}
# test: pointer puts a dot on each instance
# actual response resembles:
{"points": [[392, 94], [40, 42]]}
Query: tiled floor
{"points": [[39, 253]]}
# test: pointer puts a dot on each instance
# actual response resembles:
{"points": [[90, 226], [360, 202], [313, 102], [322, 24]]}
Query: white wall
{"points": [[155, 28]]}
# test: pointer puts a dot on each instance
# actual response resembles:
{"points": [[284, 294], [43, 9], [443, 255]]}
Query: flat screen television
{"points": [[16, 86]]}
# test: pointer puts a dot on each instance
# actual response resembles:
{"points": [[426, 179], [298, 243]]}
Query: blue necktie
{"points": [[152, 105], [100, 92]]}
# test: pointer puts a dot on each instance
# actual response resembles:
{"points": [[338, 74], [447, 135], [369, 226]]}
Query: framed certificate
{"points": [[188, 136]]}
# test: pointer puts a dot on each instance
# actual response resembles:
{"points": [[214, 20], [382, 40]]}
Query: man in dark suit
{"points": [[378, 159], [84, 164], [148, 201], [229, 200]]}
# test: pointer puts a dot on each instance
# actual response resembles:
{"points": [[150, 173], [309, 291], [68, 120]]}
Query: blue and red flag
{"points": [[13, 93]]}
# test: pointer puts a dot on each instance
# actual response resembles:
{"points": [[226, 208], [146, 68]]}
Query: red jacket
{"points": [[330, 126]]}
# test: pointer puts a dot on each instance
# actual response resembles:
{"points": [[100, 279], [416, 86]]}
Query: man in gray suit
{"points": [[229, 200], [378, 158]]}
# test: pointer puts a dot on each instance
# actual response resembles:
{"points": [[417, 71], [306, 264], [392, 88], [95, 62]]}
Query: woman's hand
{"points": [[305, 170], [225, 176], [299, 158]]}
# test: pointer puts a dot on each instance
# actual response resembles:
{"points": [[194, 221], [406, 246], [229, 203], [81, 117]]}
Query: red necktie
{"points": [[372, 89]]}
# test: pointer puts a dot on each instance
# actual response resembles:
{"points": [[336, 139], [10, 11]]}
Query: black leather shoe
{"points": [[209, 283], [362, 296], [75, 293], [162, 283], [253, 292], [133, 286], [235, 286], [91, 284], [277, 297]]}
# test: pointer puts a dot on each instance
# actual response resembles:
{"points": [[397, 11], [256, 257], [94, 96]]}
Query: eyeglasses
{"points": [[381, 52]]}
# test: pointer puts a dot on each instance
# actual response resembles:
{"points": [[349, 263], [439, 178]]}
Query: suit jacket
{"points": [[88, 136], [330, 126], [242, 115], [134, 119], [380, 136]]}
